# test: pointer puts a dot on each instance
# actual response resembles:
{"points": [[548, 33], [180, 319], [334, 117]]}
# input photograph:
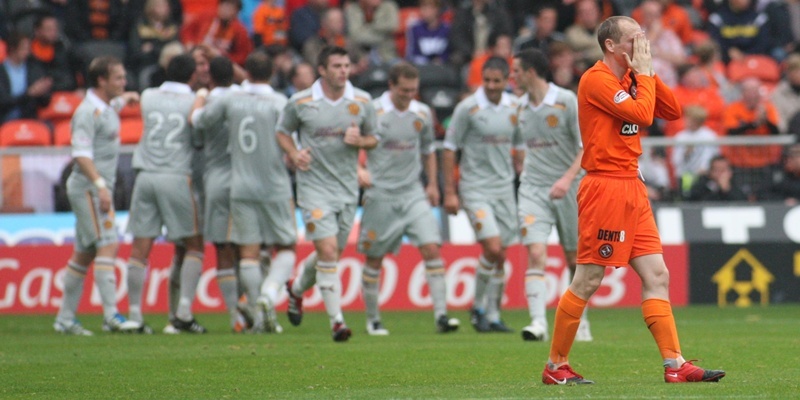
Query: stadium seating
{"points": [[62, 106], [2, 51], [130, 130], [62, 133], [25, 132], [408, 15], [131, 111], [375, 80], [762, 67]]}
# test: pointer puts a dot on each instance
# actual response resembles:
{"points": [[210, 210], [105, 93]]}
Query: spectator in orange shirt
{"points": [[695, 89], [753, 115], [270, 24], [499, 46], [223, 32], [51, 52], [673, 17]]}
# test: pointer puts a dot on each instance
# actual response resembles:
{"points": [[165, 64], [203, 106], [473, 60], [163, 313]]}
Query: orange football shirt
{"points": [[610, 112]]}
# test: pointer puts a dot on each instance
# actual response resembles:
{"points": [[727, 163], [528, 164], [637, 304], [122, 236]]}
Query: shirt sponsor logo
{"points": [[629, 129], [610, 236], [621, 96]]}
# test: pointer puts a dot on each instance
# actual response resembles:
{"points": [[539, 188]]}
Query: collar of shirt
{"points": [[258, 88], [483, 101], [175, 87], [387, 105], [317, 93], [96, 101], [549, 98], [221, 90]]}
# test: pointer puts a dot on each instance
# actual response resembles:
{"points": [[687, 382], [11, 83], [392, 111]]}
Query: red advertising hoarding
{"points": [[31, 280]]}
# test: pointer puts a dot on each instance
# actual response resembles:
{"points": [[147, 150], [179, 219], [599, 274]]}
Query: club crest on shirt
{"points": [[513, 119], [353, 108], [418, 125], [310, 227], [606, 250], [317, 213], [480, 214], [552, 120]]}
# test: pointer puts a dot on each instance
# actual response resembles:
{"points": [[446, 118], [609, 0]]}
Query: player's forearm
{"points": [[368, 142], [287, 144], [88, 168], [575, 168], [431, 170], [519, 160], [448, 169]]}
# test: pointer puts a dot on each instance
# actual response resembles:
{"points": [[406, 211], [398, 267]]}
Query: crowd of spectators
{"points": [[716, 54]]}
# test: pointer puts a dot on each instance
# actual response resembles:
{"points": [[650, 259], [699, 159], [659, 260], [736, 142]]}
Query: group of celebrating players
{"points": [[248, 207]]}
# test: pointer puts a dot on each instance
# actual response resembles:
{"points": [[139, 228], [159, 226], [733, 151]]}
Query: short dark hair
{"points": [[15, 39], [495, 36], [100, 67], [402, 70], [610, 29], [327, 52], [221, 71], [296, 67], [39, 21], [536, 59], [259, 66], [237, 3], [498, 63], [181, 68]]}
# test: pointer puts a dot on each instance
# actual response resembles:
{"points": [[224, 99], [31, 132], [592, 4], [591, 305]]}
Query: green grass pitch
{"points": [[758, 347]]}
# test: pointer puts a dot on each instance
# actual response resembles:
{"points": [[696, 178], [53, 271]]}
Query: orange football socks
{"points": [[568, 317], [658, 317]]}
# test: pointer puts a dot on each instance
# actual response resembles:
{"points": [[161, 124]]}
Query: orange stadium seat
{"points": [[62, 133], [25, 132], [130, 130], [2, 51], [408, 15], [756, 66], [62, 106], [131, 111]]}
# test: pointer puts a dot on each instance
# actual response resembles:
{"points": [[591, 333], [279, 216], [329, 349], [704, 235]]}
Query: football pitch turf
{"points": [[758, 347]]}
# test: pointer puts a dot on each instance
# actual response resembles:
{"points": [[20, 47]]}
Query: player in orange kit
{"points": [[616, 225]]}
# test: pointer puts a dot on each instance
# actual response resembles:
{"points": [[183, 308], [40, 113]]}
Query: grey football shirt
{"points": [[214, 137], [550, 135], [485, 133], [321, 123], [395, 164], [95, 135], [166, 144], [257, 162]]}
